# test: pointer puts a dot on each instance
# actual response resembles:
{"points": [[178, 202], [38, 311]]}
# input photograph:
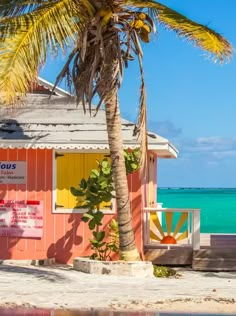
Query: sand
{"points": [[61, 287]]}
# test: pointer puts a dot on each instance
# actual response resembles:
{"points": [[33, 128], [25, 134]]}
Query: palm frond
{"points": [[24, 50], [201, 35], [142, 122], [18, 7], [141, 130]]}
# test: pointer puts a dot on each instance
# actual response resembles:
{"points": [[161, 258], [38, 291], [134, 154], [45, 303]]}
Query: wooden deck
{"points": [[217, 253]]}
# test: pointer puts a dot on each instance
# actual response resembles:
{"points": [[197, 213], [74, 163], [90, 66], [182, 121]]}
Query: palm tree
{"points": [[102, 36]]}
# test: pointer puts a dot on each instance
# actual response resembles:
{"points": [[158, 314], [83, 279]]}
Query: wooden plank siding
{"points": [[134, 182], [217, 253], [172, 256], [65, 236]]}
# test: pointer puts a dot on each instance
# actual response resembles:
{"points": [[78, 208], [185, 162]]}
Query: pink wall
{"points": [[155, 178], [65, 236]]}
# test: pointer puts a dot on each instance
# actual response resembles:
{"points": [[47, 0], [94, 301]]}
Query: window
{"points": [[69, 169]]}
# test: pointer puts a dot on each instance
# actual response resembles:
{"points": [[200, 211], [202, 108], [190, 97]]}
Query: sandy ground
{"points": [[208, 306], [60, 287]]}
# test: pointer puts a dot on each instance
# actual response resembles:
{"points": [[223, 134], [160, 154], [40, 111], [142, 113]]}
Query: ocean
{"points": [[218, 206]]}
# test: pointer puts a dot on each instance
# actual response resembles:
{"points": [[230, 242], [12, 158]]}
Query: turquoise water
{"points": [[218, 206]]}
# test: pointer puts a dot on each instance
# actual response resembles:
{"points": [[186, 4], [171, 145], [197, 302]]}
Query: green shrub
{"points": [[90, 193], [163, 272]]}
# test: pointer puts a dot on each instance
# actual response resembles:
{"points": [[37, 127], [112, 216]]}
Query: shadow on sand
{"points": [[38, 273]]}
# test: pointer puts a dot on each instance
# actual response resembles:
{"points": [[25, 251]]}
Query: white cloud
{"points": [[164, 128], [213, 163], [217, 147], [225, 154]]}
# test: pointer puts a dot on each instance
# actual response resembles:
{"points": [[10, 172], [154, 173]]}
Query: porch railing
{"points": [[169, 227]]}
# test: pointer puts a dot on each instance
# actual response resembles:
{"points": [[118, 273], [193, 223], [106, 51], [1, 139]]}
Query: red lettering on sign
{"points": [[25, 218], [7, 173]]}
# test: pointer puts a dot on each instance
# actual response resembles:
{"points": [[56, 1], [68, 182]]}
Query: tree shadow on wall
{"points": [[62, 250]]}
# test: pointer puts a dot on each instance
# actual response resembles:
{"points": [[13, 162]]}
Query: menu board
{"points": [[21, 218]]}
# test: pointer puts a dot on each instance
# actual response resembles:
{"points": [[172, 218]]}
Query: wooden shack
{"points": [[47, 146]]}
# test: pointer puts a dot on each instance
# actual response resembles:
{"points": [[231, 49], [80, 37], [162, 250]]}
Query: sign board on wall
{"points": [[21, 218], [12, 172]]}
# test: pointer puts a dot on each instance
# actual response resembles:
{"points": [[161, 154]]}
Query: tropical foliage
{"points": [[91, 193], [98, 188], [101, 38]]}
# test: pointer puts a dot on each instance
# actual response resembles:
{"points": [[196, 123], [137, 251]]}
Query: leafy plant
{"points": [[97, 189], [91, 193], [132, 160], [163, 272], [103, 249]]}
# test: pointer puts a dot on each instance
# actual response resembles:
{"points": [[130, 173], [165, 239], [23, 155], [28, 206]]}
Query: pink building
{"points": [[47, 146]]}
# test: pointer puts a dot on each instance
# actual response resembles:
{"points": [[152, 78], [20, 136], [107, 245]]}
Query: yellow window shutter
{"points": [[71, 168]]}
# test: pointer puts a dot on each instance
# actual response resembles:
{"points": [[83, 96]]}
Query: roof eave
{"points": [[166, 150], [59, 91]]}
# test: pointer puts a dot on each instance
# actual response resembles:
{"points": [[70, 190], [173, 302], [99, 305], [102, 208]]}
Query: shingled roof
{"points": [[40, 122]]}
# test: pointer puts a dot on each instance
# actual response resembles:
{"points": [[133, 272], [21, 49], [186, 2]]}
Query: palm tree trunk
{"points": [[128, 249], [107, 88]]}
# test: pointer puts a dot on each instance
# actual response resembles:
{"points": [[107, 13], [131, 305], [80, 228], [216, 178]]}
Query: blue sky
{"points": [[191, 100]]}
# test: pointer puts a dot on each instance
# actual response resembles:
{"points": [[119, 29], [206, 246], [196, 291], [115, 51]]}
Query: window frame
{"points": [[54, 183]]}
